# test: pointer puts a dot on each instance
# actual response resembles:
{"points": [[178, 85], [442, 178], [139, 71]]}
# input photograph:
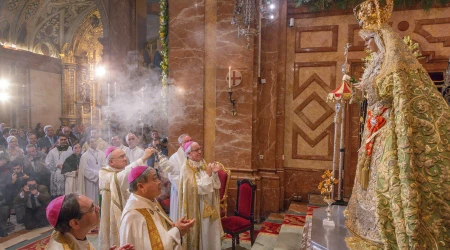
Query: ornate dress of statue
{"points": [[401, 195]]}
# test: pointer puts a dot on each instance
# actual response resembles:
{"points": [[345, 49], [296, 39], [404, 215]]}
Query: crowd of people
{"points": [[39, 165], [65, 177]]}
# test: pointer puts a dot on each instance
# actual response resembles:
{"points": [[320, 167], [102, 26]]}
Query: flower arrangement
{"points": [[163, 36], [326, 186]]}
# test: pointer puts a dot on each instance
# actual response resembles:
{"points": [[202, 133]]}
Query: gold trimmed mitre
{"points": [[371, 15]]}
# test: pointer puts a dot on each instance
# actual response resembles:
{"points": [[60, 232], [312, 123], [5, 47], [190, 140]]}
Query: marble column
{"points": [[186, 70]]}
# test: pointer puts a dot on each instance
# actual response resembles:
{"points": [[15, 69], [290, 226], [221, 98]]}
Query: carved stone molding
{"points": [[327, 111], [298, 89], [334, 38], [327, 82], [356, 46], [430, 38], [312, 142]]}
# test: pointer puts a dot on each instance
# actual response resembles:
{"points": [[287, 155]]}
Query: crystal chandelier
{"points": [[248, 19]]}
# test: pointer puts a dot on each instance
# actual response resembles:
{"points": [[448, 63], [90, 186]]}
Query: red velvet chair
{"points": [[224, 176], [243, 219]]}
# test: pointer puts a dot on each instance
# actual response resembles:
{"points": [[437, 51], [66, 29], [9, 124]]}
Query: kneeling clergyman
{"points": [[73, 216], [144, 223]]}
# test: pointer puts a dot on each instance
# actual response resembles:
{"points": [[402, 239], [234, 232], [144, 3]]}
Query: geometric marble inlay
{"points": [[325, 110]]}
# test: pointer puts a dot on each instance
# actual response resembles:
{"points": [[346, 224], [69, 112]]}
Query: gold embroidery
{"points": [[65, 241], [153, 234], [119, 192]]}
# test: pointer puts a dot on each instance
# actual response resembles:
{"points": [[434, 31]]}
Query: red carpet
{"points": [[243, 236], [40, 243]]}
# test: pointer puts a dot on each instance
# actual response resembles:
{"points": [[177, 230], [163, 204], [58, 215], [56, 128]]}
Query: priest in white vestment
{"points": [[70, 170], [116, 141], [173, 174], [134, 152], [113, 181], [101, 144], [54, 162], [199, 198], [144, 223], [90, 163], [71, 226]]}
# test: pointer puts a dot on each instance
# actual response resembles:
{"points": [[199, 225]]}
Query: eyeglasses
{"points": [[196, 150], [90, 210], [120, 157]]}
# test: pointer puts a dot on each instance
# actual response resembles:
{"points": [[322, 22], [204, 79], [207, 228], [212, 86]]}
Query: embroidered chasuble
{"points": [[67, 241], [113, 184], [145, 225], [199, 198]]}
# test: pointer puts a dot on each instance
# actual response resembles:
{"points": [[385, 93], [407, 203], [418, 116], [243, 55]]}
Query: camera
{"points": [[32, 186], [19, 175]]}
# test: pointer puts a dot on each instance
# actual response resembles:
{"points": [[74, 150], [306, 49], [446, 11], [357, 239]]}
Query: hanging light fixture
{"points": [[247, 17]]}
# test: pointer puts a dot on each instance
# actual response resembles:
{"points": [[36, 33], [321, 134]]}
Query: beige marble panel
{"points": [[316, 39], [45, 97]]}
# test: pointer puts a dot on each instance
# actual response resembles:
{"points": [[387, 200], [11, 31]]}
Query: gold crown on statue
{"points": [[371, 15]]}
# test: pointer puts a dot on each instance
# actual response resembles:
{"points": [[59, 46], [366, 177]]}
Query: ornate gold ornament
{"points": [[370, 15]]}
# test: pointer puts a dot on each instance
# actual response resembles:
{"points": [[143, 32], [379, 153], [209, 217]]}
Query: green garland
{"points": [[320, 5], [163, 36]]}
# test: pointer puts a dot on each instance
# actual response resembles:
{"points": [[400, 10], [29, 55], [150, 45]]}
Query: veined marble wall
{"points": [[282, 136]]}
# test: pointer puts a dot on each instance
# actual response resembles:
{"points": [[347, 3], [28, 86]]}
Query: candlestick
{"points": [[229, 77]]}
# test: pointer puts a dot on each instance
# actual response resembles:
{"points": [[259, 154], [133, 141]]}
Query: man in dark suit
{"points": [[48, 142], [34, 198], [71, 140], [32, 139], [5, 134], [34, 165]]}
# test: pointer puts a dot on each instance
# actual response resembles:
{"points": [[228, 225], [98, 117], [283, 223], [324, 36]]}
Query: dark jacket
{"points": [[71, 164], [44, 142], [43, 198], [39, 171]]}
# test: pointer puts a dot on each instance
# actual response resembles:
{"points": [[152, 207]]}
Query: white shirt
{"points": [[133, 154]]}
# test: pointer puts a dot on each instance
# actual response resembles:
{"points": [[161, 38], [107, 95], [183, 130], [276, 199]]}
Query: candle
{"points": [[82, 112], [115, 90], [142, 95], [99, 115], [92, 111], [229, 77], [108, 94]]}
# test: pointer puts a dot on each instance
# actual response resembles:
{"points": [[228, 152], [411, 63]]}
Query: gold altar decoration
{"points": [[326, 187], [81, 91]]}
